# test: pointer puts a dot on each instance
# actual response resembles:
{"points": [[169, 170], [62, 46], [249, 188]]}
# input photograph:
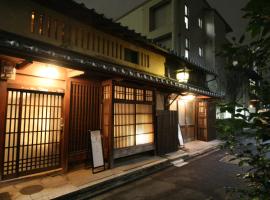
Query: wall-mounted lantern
{"points": [[7, 70], [182, 75], [188, 97]]}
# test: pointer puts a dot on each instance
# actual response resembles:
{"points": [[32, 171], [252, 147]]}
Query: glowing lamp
{"points": [[188, 97], [182, 75]]}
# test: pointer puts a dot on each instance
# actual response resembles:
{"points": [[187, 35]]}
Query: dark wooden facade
{"points": [[45, 117], [84, 116], [167, 132]]}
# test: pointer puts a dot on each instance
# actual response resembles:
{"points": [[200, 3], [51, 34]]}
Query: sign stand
{"points": [[97, 151], [180, 137]]}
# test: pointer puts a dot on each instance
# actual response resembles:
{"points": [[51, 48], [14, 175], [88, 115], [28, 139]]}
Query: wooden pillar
{"points": [[3, 92], [111, 129], [66, 120]]}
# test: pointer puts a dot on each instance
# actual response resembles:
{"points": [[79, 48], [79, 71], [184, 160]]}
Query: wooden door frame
{"points": [[20, 90], [3, 102], [195, 125], [66, 118]]}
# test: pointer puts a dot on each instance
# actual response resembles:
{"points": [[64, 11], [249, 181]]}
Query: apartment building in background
{"points": [[194, 31]]}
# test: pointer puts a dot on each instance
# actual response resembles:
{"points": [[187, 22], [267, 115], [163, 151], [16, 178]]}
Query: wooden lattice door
{"points": [[33, 132], [202, 121]]}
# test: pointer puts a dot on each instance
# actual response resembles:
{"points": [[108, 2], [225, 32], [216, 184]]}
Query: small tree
{"points": [[251, 147]]}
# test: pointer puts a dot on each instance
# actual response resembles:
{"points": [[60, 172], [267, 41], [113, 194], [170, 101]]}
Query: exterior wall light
{"points": [[188, 97], [182, 75], [48, 71]]}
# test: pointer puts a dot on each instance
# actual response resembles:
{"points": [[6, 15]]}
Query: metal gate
{"points": [[33, 132]]}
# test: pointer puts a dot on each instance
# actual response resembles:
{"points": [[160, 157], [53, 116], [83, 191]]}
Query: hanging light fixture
{"points": [[182, 75]]}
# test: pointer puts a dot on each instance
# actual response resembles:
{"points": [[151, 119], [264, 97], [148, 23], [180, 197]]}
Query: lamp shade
{"points": [[182, 75]]}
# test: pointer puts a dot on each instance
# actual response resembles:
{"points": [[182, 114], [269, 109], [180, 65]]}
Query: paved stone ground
{"points": [[204, 178], [48, 187]]}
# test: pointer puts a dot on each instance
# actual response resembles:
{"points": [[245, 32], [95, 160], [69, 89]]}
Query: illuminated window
{"points": [[119, 92], [186, 10], [41, 24], [133, 119], [139, 95], [200, 52], [186, 17], [149, 95], [106, 92], [186, 22], [33, 19], [129, 94], [200, 22]]}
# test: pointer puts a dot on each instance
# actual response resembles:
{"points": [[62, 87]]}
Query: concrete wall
{"points": [[176, 27]]}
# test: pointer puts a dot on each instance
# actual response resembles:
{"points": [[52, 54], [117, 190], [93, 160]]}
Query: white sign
{"points": [[97, 150], [180, 137]]}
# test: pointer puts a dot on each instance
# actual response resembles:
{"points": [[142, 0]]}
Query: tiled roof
{"points": [[26, 47]]}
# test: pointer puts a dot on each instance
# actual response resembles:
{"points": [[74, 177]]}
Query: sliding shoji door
{"points": [[33, 132]]}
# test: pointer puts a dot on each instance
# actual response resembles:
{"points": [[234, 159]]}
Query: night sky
{"points": [[229, 9]]}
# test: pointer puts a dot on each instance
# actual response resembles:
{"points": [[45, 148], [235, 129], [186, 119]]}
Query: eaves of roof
{"points": [[19, 46], [91, 17]]}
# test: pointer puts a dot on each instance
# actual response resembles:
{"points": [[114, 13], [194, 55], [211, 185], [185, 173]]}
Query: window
{"points": [[186, 17], [187, 47], [186, 53], [133, 117], [160, 15], [131, 56], [200, 51], [200, 22], [40, 24], [33, 19], [186, 10]]}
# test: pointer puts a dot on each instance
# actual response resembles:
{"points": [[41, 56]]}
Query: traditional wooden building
{"points": [[65, 70]]}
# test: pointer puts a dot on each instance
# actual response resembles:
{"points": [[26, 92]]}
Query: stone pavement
{"points": [[53, 186]]}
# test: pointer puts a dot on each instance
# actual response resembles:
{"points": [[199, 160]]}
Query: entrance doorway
{"points": [[33, 132], [187, 120]]}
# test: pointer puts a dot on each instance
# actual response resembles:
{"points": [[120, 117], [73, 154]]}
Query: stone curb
{"points": [[104, 186], [99, 188]]}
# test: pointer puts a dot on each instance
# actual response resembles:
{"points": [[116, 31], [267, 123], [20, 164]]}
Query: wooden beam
{"points": [[23, 64]]}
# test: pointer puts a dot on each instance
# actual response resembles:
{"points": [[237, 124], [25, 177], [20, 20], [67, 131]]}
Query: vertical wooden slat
{"points": [[3, 102], [84, 109]]}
